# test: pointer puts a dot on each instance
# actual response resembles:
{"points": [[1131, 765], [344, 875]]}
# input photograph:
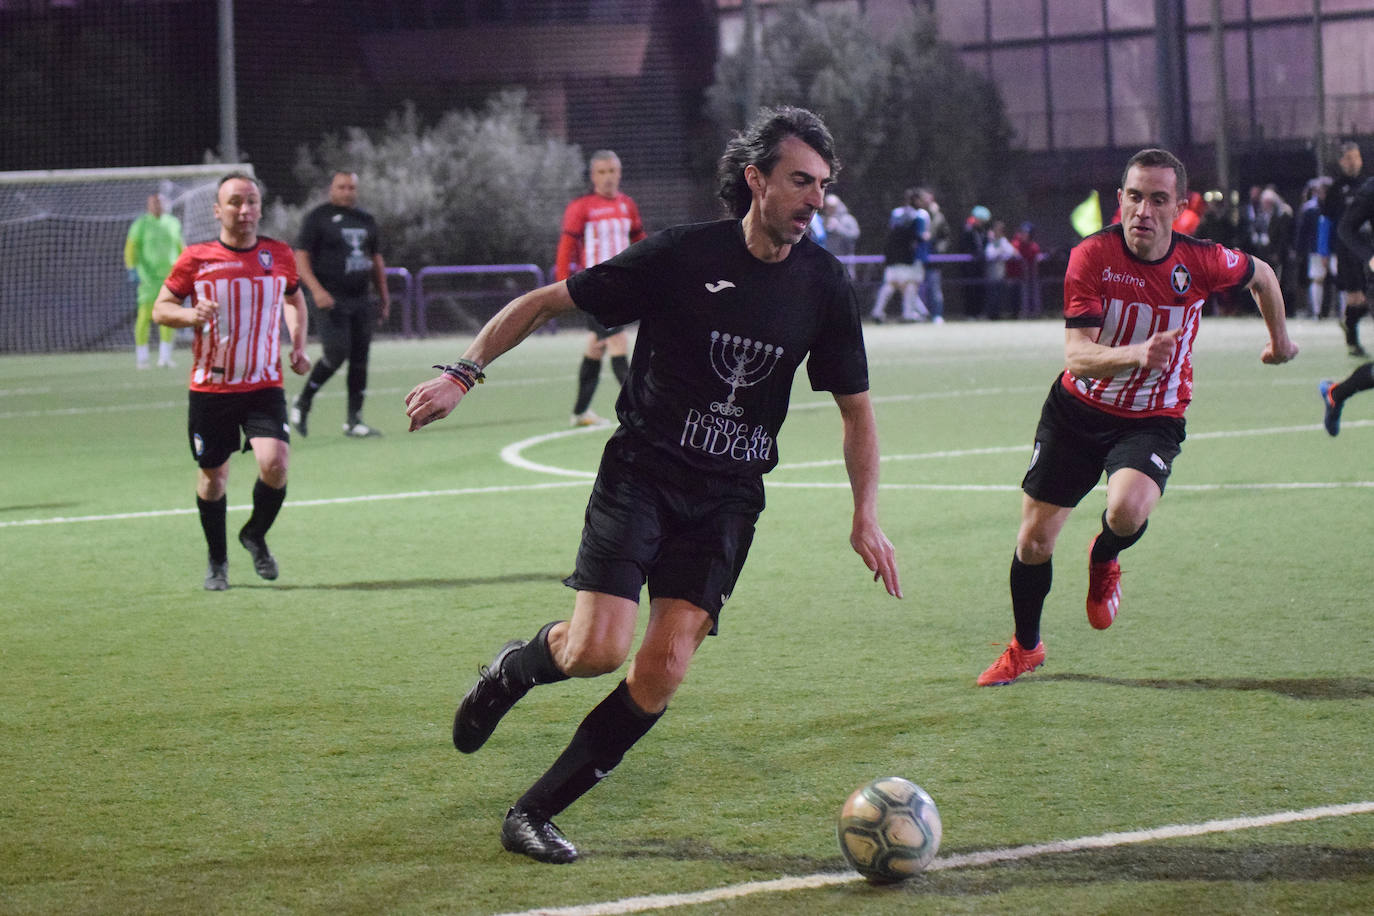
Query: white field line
{"points": [[968, 860], [342, 500], [513, 454]]}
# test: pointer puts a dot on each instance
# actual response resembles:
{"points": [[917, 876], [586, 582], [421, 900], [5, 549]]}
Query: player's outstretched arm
{"points": [[521, 317], [1264, 286], [861, 458]]}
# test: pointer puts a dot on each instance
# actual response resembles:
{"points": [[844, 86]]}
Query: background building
{"points": [[101, 83]]}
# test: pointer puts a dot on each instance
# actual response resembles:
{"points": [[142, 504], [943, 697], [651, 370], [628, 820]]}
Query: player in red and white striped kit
{"points": [[1133, 297], [596, 227], [237, 289]]}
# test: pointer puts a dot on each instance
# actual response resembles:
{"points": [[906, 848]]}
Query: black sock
{"points": [[318, 376], [597, 746], [357, 389], [1362, 379], [1029, 586], [212, 516], [587, 377], [1109, 543], [620, 365], [1353, 314], [534, 663], [266, 504]]}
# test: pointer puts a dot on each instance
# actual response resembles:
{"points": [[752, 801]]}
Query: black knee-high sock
{"points": [[587, 376], [1029, 586], [534, 663], [266, 504], [1109, 543], [1353, 314], [212, 514], [320, 374], [620, 365], [1362, 379], [597, 746], [357, 388]]}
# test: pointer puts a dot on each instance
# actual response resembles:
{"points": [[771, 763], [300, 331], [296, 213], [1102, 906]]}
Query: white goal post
{"points": [[64, 286]]}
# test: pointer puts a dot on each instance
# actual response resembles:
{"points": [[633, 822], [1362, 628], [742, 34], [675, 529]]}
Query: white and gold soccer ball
{"points": [[889, 830]]}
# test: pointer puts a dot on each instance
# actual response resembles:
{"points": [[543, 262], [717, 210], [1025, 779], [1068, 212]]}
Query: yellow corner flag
{"points": [[1087, 216]]}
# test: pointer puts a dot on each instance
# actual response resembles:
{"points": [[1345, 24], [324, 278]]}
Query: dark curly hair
{"points": [[759, 145]]}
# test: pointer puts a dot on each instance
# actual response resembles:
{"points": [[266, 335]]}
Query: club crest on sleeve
{"points": [[1180, 279], [265, 258]]}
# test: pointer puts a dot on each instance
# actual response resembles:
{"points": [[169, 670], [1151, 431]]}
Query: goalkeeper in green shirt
{"points": [[150, 250]]}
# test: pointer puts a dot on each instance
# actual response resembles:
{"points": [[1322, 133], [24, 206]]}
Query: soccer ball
{"points": [[889, 830]]}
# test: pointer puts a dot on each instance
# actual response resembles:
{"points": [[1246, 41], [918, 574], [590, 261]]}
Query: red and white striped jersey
{"points": [[239, 349], [1109, 288], [596, 228]]}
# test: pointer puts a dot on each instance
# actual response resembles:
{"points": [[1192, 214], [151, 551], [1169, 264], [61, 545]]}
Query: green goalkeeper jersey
{"points": [[152, 247]]}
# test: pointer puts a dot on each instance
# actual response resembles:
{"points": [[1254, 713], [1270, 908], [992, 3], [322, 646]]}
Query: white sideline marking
{"points": [[974, 859], [336, 501]]}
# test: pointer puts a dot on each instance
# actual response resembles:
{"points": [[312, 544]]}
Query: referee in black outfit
{"points": [[728, 311]]}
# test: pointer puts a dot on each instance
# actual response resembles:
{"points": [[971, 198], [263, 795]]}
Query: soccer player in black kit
{"points": [[338, 254], [728, 310]]}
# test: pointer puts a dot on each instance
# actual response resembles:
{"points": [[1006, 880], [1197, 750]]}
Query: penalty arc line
{"points": [[968, 860], [513, 455]]}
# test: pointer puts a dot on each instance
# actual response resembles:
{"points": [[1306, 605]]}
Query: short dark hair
{"points": [[1159, 159], [262, 192], [760, 144]]}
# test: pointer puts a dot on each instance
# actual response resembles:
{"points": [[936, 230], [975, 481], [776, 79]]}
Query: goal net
{"points": [[65, 286]]}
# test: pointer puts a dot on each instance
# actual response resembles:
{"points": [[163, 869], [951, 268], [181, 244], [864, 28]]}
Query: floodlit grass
{"points": [[284, 746]]}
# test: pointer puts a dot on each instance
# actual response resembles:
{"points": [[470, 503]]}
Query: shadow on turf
{"points": [[685, 850], [1314, 688], [29, 507], [383, 585], [1149, 862], [1164, 862]]}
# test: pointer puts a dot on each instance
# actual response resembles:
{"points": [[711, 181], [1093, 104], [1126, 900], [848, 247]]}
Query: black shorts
{"points": [[601, 331], [1350, 271], [214, 422], [1075, 443], [650, 519], [345, 330]]}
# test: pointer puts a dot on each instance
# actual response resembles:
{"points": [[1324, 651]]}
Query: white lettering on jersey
{"points": [[357, 259], [240, 347], [740, 363]]}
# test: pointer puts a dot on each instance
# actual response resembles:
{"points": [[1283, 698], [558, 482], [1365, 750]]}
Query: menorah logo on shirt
{"points": [[740, 363]]}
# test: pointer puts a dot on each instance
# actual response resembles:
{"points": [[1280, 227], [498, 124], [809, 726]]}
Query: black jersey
{"points": [[341, 242], [721, 335], [1338, 197], [1357, 221]]}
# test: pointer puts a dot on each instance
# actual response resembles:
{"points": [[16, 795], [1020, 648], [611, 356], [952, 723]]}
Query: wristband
{"points": [[465, 373], [461, 384]]}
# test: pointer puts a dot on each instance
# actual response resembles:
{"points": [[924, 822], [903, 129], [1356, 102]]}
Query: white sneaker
{"points": [[361, 430], [165, 364], [586, 418]]}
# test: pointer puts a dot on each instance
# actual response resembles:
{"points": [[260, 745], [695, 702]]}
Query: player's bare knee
{"points": [[1034, 551], [1126, 519], [652, 688]]}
